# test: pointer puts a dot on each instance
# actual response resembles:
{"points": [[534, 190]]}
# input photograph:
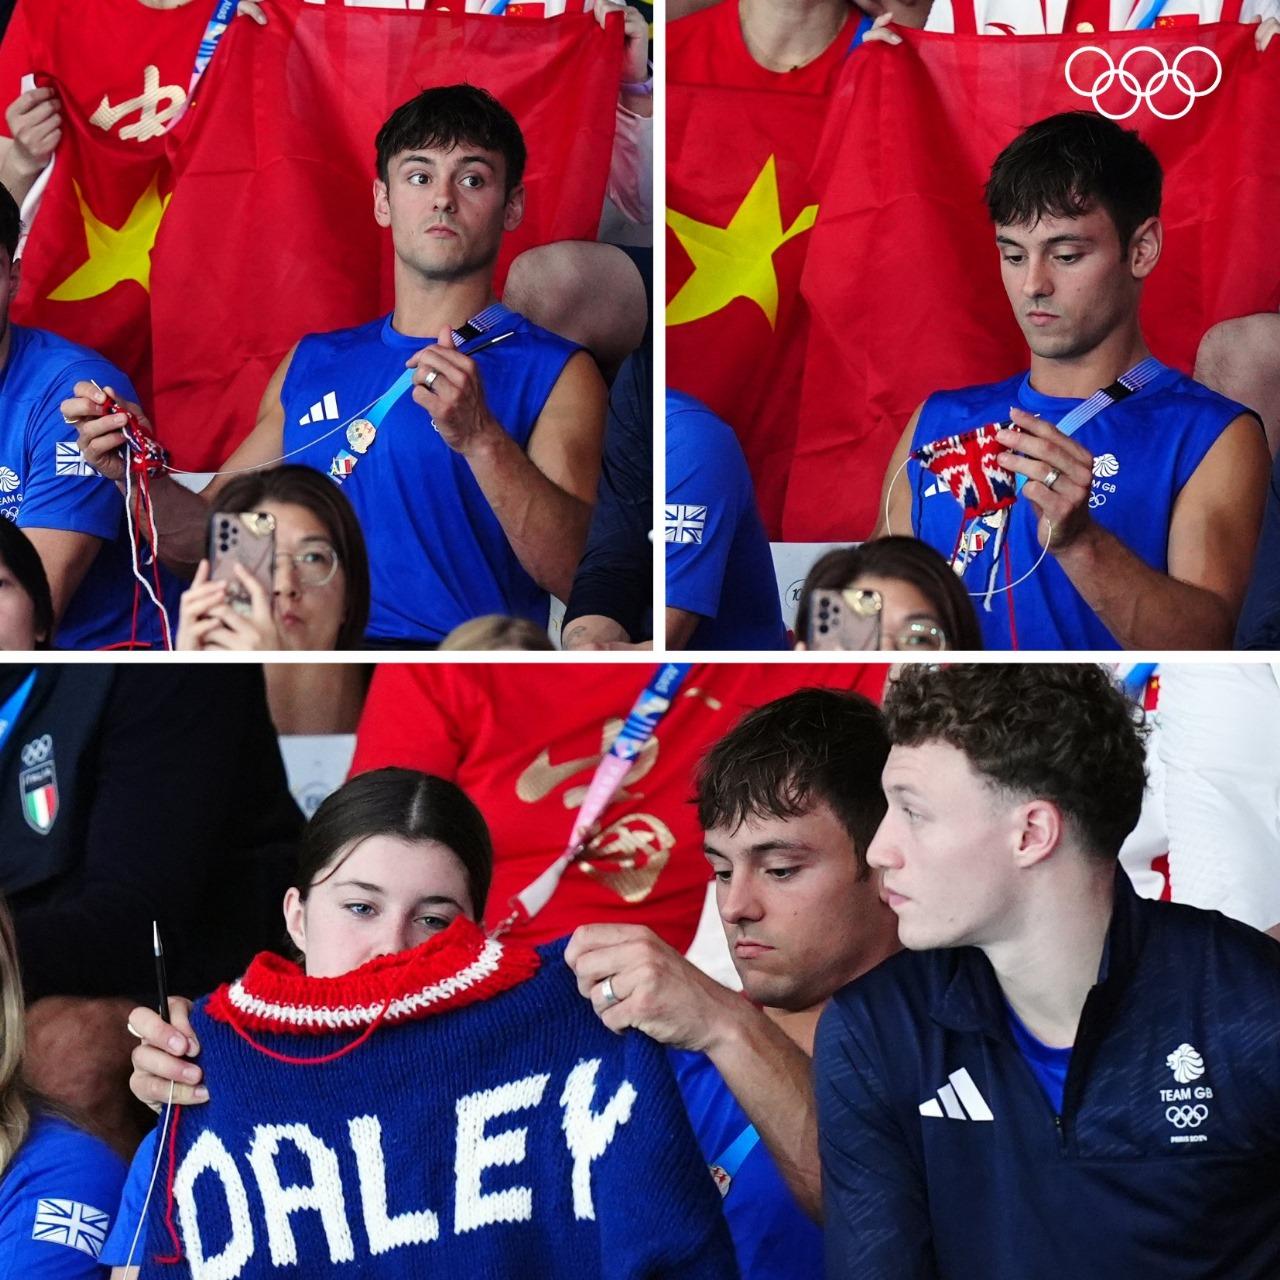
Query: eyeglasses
{"points": [[916, 636], [314, 566]]}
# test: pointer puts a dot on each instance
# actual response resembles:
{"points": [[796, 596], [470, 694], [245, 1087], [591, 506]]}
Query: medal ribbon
{"points": [[641, 723], [473, 335]]}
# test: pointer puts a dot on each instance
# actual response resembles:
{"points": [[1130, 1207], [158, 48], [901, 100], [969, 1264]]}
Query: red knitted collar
{"points": [[456, 967]]}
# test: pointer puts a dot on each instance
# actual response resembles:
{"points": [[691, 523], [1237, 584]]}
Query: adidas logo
{"points": [[325, 410], [958, 1100]]}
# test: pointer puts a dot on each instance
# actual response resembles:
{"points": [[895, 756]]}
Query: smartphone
{"points": [[844, 620], [246, 538]]}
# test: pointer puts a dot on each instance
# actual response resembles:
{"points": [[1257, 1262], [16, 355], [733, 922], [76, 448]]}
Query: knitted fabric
{"points": [[510, 1136]]}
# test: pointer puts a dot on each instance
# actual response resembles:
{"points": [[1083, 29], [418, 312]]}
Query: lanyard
{"points": [[12, 707], [653, 703], [727, 1164], [361, 433], [1135, 680], [1149, 19], [861, 34], [1126, 384]]}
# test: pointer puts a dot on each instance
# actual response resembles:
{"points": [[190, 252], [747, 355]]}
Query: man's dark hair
{"points": [[1060, 732], [781, 759], [1066, 165], [451, 116], [10, 222]]}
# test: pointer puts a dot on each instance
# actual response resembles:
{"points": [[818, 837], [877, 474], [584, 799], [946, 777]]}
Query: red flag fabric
{"points": [[270, 232], [121, 71], [740, 142], [902, 276]]}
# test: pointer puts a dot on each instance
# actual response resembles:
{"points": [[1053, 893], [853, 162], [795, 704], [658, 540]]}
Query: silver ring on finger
{"points": [[1052, 478], [607, 991], [133, 1031], [71, 422], [430, 380]]}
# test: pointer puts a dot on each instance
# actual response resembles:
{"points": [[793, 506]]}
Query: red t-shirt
{"points": [[523, 742], [102, 49], [707, 48]]}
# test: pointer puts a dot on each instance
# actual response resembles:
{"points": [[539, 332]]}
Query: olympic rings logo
{"points": [[37, 751], [1187, 1117], [1131, 84]]}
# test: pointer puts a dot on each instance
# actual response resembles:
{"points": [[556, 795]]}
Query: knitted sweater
{"points": [[479, 1122]]}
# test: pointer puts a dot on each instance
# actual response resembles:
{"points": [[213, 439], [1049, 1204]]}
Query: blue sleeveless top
{"points": [[1145, 448], [437, 554]]}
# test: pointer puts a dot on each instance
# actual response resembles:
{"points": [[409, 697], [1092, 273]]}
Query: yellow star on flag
{"points": [[735, 261], [115, 255]]}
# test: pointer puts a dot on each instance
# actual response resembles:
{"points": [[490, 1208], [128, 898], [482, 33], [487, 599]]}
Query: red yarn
{"points": [[177, 1255], [307, 1062]]}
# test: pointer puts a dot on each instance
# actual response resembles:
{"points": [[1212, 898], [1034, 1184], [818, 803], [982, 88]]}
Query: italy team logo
{"points": [[38, 785]]}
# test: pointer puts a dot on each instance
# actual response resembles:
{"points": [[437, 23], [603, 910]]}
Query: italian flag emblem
{"points": [[39, 797]]}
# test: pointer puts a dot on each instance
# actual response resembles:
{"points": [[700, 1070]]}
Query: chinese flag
{"points": [[902, 277], [270, 232], [739, 215], [86, 267]]}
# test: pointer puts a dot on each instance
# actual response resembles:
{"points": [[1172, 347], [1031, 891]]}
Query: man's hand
{"points": [[162, 1056], [1039, 451], [100, 434], [34, 119], [656, 989], [447, 385], [1267, 29], [252, 9]]}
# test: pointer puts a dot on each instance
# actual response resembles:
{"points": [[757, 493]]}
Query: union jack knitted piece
{"points": [[967, 462], [452, 969]]}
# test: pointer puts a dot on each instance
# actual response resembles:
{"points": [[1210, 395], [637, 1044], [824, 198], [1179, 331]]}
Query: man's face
{"points": [[946, 850], [1069, 282], [799, 921], [448, 209]]}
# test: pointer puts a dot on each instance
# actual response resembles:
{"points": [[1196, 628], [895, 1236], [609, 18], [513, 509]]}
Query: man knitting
{"points": [[1138, 514], [473, 483]]}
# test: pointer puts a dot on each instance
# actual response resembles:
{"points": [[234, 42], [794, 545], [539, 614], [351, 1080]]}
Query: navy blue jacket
{"points": [[942, 1157]]}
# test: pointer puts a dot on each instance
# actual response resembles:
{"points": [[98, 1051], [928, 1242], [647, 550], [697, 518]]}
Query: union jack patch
{"points": [[69, 461], [685, 523], [78, 1226]]}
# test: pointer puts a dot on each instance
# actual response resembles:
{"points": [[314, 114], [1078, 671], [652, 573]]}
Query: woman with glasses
{"points": [[895, 594], [320, 595]]}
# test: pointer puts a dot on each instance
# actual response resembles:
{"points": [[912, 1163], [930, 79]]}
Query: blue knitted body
{"points": [[515, 1137]]}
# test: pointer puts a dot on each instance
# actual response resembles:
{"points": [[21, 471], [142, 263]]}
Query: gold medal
{"points": [[360, 434]]}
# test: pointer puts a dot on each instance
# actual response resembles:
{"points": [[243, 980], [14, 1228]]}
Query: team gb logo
{"points": [[1186, 1064]]}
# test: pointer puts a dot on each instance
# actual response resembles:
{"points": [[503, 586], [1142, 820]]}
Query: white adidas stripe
{"points": [[957, 1100], [324, 409]]}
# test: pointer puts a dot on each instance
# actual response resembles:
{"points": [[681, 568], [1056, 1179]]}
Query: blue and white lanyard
{"points": [[1126, 384]]}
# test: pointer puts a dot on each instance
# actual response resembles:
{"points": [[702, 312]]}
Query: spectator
{"points": [[497, 632], [611, 604], [393, 875], [488, 512], [320, 598], [721, 588], [58, 1186], [26, 608], [1150, 546], [923, 605], [1054, 1065], [75, 522], [132, 795], [789, 800]]}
